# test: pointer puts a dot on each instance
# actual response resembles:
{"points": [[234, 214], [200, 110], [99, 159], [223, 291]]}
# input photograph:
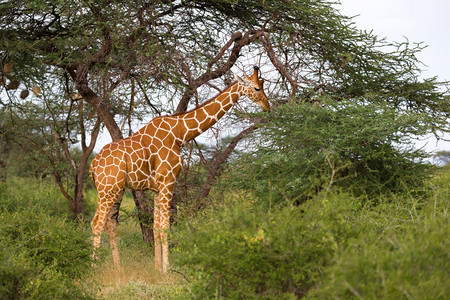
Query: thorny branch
{"points": [[220, 159], [278, 65], [239, 40]]}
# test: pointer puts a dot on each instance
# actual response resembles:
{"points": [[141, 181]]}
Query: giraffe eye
{"points": [[257, 89]]}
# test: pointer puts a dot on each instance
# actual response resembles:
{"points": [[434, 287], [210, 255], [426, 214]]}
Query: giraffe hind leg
{"points": [[97, 230], [106, 219], [111, 229]]}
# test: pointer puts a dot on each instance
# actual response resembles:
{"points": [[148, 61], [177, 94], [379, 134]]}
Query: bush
{"points": [[241, 252], [411, 267], [43, 253], [360, 146], [401, 252], [332, 246], [32, 195]]}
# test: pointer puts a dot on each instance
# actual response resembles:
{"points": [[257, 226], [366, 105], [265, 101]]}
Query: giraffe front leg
{"points": [[160, 231], [162, 225], [156, 232], [111, 229], [165, 248], [164, 222]]}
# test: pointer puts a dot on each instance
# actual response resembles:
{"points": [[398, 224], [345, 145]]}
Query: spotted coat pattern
{"points": [[150, 160]]}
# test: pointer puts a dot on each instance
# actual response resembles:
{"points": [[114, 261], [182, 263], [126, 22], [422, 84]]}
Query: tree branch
{"points": [[106, 46], [94, 135], [64, 145], [215, 168], [147, 99], [62, 189], [234, 37], [278, 65], [101, 107], [239, 41]]}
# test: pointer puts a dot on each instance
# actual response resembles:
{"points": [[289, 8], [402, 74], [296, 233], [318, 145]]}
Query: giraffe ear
{"points": [[241, 81]]}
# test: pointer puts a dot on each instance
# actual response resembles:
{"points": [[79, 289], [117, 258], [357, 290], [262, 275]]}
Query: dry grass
{"points": [[137, 278]]}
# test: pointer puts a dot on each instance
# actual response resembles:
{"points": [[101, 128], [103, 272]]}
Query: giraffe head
{"points": [[253, 89]]}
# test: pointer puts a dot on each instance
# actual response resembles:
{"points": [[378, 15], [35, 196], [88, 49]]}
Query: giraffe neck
{"points": [[200, 119]]}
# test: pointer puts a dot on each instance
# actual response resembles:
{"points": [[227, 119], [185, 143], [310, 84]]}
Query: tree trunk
{"points": [[145, 215], [78, 197]]}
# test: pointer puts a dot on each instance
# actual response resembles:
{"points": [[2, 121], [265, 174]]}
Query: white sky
{"points": [[417, 20]]}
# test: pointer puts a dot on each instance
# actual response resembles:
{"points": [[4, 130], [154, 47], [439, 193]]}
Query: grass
{"points": [[137, 278]]}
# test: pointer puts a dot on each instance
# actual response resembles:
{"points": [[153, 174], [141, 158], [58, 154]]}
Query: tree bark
{"points": [[101, 107], [78, 197], [145, 215]]}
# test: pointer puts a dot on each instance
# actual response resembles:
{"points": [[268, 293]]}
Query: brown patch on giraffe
{"points": [[192, 123], [201, 116]]}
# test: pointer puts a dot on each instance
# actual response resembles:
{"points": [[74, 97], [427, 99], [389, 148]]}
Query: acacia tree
{"points": [[172, 54]]}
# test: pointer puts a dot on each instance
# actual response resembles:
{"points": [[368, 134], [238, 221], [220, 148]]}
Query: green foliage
{"points": [[342, 60], [136, 290], [333, 246], [36, 131], [245, 252], [22, 195], [112, 52], [43, 254], [360, 146], [401, 252]]}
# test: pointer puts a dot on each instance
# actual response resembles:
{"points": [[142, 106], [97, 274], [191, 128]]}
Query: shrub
{"points": [[401, 252], [411, 267], [43, 253], [32, 195], [238, 252], [332, 246]]}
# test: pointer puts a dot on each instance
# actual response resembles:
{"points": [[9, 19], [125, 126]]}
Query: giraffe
{"points": [[150, 160]]}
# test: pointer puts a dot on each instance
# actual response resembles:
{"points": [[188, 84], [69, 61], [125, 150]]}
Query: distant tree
{"points": [[443, 157]]}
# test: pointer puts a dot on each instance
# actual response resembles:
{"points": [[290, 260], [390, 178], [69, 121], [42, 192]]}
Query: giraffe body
{"points": [[150, 160]]}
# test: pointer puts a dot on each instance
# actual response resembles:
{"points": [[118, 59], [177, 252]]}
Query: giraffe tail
{"points": [[92, 169]]}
